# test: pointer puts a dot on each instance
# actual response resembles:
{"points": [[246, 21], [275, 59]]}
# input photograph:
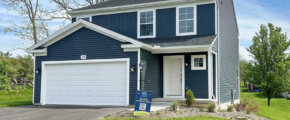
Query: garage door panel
{"points": [[87, 84]]}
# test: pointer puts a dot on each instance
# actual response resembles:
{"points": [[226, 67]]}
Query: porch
{"points": [[170, 75]]}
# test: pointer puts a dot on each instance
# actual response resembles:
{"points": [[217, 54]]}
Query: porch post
{"points": [[209, 64]]}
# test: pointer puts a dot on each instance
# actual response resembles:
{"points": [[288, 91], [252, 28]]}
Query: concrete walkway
{"points": [[57, 112]]}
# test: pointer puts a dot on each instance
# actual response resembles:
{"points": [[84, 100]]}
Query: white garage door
{"points": [[86, 84]]}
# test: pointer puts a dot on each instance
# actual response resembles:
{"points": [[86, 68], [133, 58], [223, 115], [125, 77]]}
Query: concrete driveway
{"points": [[57, 112]]}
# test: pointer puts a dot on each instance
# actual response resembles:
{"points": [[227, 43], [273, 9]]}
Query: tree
{"points": [[32, 27], [64, 6], [270, 67]]}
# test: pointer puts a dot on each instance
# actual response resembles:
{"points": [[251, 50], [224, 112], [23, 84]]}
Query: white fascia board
{"points": [[44, 50], [130, 46], [181, 49], [213, 41], [82, 23], [137, 7]]}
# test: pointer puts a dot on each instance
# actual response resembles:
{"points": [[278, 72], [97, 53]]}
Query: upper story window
{"points": [[198, 62], [146, 24], [186, 20]]}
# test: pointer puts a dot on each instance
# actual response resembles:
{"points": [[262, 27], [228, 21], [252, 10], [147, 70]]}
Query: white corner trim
{"points": [[194, 19], [164, 76], [210, 74], [79, 24], [43, 73], [204, 62], [33, 79], [139, 24]]}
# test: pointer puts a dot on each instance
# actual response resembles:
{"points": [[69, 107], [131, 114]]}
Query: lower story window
{"points": [[198, 62]]}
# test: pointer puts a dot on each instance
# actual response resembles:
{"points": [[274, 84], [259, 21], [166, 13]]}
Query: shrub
{"points": [[211, 107], [30, 77], [4, 83], [175, 103], [29, 86], [252, 106], [158, 112], [231, 108], [175, 106], [201, 109], [190, 100]]}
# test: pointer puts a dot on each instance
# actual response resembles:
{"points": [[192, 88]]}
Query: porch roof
{"points": [[180, 41]]}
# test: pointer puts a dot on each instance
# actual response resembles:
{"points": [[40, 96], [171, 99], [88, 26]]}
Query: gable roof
{"points": [[76, 26], [115, 3]]}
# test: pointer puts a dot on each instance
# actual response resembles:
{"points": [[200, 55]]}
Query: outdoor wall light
{"points": [[132, 68], [186, 63], [38, 70]]}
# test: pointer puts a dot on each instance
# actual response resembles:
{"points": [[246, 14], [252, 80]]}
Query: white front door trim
{"points": [[43, 73], [164, 76]]}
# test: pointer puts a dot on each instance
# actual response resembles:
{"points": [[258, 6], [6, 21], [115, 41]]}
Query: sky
{"points": [[250, 15]]}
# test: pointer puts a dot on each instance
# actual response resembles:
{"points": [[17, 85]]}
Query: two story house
{"points": [[113, 48]]}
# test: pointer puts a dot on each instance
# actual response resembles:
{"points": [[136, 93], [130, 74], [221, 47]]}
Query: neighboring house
{"points": [[181, 44]]}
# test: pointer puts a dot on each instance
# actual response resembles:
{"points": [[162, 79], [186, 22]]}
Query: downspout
{"points": [[218, 55]]}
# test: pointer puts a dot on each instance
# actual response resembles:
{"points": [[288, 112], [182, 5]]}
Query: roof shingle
{"points": [[114, 3], [179, 41]]}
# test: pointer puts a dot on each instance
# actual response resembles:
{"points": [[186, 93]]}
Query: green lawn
{"points": [[279, 109], [187, 118], [15, 98]]}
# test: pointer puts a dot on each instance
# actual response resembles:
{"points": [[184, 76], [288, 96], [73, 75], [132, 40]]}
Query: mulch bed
{"points": [[186, 111]]}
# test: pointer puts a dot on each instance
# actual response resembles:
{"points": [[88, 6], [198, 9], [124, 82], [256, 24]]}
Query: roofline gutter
{"points": [[130, 6]]}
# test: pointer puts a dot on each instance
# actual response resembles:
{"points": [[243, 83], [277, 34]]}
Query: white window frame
{"points": [[154, 23], [194, 20], [90, 18], [204, 62]]}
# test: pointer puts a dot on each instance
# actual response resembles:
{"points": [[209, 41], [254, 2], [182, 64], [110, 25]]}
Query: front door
{"points": [[173, 76]]}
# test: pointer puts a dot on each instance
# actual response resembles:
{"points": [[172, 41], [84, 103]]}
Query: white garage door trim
{"points": [[43, 76]]}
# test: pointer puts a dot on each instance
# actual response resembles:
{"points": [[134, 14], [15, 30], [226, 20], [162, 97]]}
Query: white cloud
{"points": [[250, 15]]}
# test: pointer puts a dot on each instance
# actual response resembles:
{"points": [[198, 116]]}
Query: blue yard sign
{"points": [[142, 102]]}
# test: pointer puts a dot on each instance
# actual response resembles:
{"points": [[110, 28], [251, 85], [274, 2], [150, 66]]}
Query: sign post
{"points": [[143, 102]]}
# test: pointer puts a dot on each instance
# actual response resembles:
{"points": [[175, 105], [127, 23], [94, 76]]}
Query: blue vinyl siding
{"points": [[123, 23], [151, 76], [90, 43], [165, 23], [126, 23], [206, 19]]}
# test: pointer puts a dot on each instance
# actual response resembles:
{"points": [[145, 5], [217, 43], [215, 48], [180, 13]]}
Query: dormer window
{"points": [[186, 20], [146, 24]]}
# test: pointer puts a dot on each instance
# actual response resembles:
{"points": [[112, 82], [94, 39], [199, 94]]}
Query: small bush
{"points": [[5, 83], [211, 107], [252, 106], [158, 112], [231, 108], [190, 99], [30, 77], [175, 103], [201, 109], [29, 86]]}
